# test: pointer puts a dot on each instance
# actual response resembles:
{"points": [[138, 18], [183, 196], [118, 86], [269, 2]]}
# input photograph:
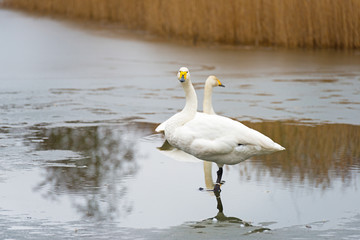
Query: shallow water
{"points": [[79, 156]]}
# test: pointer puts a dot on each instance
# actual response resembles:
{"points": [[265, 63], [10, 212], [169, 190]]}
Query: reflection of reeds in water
{"points": [[292, 23], [316, 153]]}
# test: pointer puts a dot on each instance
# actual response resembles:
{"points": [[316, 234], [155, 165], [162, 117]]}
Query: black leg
{"points": [[218, 180]]}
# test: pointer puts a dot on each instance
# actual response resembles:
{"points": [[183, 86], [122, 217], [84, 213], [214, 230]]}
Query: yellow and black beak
{"points": [[182, 76], [220, 84]]}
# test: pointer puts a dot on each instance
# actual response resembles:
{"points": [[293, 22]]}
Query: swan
{"points": [[211, 137], [168, 150], [210, 83]]}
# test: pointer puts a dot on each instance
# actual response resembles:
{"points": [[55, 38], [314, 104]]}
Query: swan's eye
{"points": [[239, 144]]}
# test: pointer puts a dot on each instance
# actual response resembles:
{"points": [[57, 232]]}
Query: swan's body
{"points": [[219, 139], [211, 137]]}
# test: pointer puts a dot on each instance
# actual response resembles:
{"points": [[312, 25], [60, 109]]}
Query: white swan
{"points": [[210, 83], [211, 137]]}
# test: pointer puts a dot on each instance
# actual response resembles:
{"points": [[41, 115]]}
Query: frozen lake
{"points": [[79, 156]]}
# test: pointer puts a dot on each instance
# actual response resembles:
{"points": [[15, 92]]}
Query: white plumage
{"points": [[212, 137], [219, 139], [210, 83]]}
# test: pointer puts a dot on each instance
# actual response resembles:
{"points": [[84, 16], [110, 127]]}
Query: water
{"points": [[79, 156]]}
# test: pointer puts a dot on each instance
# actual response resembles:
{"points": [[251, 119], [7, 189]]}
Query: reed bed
{"points": [[288, 23]]}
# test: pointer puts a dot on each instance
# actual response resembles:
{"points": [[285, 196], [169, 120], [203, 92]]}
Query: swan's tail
{"points": [[277, 147]]}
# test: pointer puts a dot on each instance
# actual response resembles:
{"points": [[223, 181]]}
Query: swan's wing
{"points": [[213, 134]]}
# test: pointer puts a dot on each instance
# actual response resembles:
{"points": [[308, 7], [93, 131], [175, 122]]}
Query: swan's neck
{"points": [[186, 115], [191, 100], [207, 103]]}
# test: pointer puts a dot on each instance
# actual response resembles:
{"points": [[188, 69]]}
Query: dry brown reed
{"points": [[289, 23]]}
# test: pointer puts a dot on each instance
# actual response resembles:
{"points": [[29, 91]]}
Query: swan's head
{"points": [[214, 82], [183, 74]]}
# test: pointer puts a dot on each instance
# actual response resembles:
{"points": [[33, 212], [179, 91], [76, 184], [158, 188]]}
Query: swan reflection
{"points": [[220, 219]]}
